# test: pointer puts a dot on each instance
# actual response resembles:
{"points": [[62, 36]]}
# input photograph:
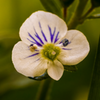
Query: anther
{"points": [[65, 42], [32, 47]]}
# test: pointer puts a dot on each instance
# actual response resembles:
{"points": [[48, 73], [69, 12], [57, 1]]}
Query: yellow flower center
{"points": [[50, 51]]}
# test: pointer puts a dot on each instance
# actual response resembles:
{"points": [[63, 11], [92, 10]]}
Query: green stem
{"points": [[44, 89], [75, 20], [65, 13], [88, 12], [94, 93]]}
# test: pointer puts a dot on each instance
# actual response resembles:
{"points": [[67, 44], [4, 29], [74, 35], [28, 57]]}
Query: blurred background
{"points": [[14, 86]]}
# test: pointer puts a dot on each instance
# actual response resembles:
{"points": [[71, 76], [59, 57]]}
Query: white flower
{"points": [[47, 45]]}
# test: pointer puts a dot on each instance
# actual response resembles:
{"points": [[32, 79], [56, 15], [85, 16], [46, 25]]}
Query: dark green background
{"points": [[14, 86]]}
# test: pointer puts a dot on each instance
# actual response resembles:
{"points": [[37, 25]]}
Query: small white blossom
{"points": [[47, 45]]}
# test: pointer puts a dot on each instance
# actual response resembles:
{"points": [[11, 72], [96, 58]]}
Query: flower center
{"points": [[50, 51]]}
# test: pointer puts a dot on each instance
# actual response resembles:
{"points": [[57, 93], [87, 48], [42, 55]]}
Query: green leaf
{"points": [[7, 40], [70, 68], [94, 93], [94, 16], [52, 6], [95, 3], [66, 3]]}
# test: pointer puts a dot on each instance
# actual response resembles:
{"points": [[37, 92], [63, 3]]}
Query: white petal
{"points": [[26, 64], [78, 48], [55, 70], [42, 23]]}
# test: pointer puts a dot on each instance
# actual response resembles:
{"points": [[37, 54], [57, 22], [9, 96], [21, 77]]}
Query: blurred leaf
{"points": [[7, 40], [95, 3], [66, 3], [9, 77], [9, 34], [94, 16], [94, 93], [52, 6], [70, 68]]}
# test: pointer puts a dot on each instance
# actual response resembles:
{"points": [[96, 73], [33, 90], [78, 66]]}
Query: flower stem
{"points": [[75, 20], [65, 13], [94, 93], [44, 89], [88, 12]]}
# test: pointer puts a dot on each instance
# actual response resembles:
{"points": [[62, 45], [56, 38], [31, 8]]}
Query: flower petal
{"points": [[42, 27], [76, 50], [55, 70], [26, 62]]}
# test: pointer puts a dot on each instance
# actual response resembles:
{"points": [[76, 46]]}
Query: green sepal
{"points": [[52, 6], [39, 78], [72, 68], [66, 3]]}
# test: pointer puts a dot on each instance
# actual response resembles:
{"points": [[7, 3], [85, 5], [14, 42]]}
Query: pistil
{"points": [[50, 51]]}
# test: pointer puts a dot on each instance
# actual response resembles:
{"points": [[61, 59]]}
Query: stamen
{"points": [[33, 47], [65, 42]]}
